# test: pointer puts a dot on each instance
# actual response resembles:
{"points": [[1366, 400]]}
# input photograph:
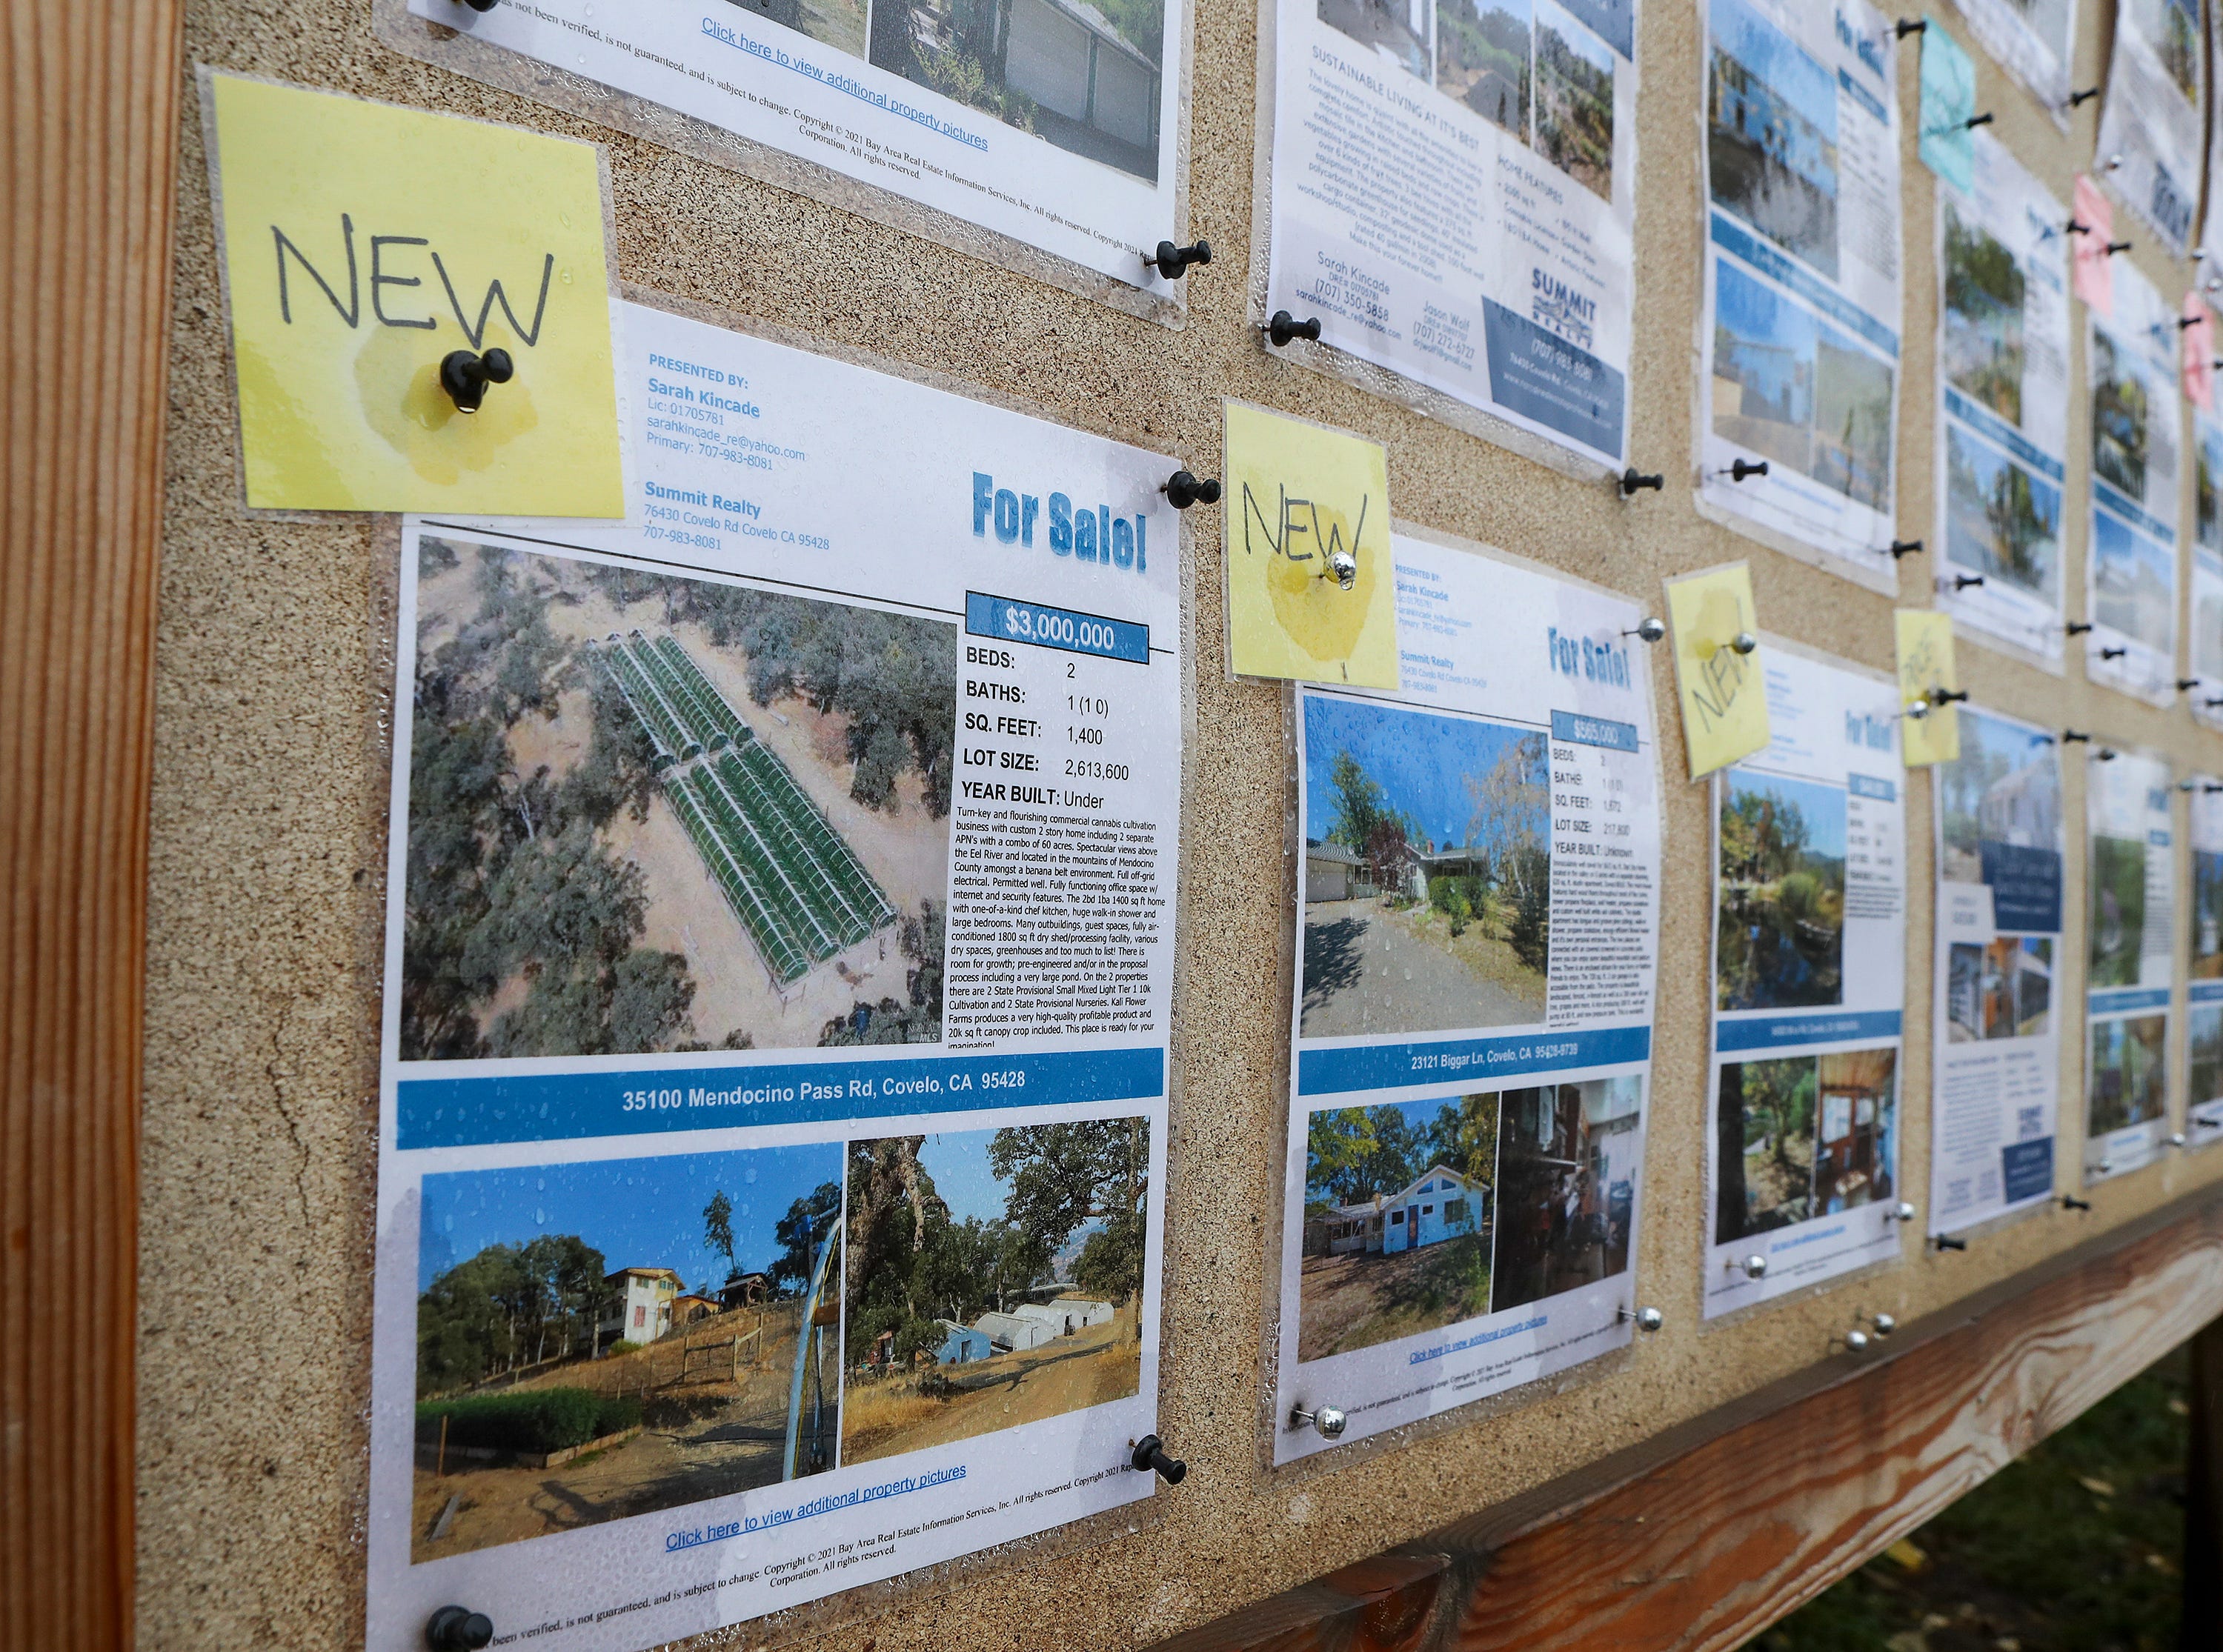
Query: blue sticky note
{"points": [[1948, 99]]}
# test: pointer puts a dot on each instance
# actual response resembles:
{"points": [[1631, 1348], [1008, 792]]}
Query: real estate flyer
{"points": [[1798, 398], [1996, 1090], [2151, 136], [2130, 957], [2203, 1112], [2003, 404], [1056, 123], [2204, 646], [2210, 245], [1454, 198], [2129, 574], [1478, 932], [1810, 983], [2034, 40], [773, 1094]]}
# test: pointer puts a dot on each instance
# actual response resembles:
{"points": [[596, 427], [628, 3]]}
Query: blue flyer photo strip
{"points": [[1008, 619], [468, 1112], [1349, 1068]]}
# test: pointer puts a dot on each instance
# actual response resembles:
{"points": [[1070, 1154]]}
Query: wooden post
{"points": [[89, 157], [2203, 1497]]}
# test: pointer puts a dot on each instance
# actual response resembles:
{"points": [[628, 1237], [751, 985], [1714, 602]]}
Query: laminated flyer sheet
{"points": [[1798, 391], [2210, 245], [773, 1094], [2130, 958], [1056, 123], [1470, 1051], [2129, 574], [2035, 41], [2151, 137], [2204, 611], [2203, 1112], [1454, 195], [2003, 403], [1996, 1093], [1810, 984]]}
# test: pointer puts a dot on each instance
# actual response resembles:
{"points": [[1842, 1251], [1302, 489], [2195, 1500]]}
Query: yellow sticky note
{"points": [[364, 244], [1307, 507], [1722, 688], [1925, 662]]}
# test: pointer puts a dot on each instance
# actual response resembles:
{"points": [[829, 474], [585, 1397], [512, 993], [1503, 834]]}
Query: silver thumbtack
{"points": [[1754, 1266], [1648, 629], [1884, 1323], [1744, 642], [1918, 709], [1647, 1319], [1902, 1212], [2176, 1138], [1855, 1341], [1325, 1421], [2114, 163], [1344, 566], [2107, 1167]]}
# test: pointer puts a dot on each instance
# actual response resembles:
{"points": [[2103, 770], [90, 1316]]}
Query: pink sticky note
{"points": [[2198, 334], [2091, 272]]}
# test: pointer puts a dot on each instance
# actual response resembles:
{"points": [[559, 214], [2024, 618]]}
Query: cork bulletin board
{"points": [[274, 683]]}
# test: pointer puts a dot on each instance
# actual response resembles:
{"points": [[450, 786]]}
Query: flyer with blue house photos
{"points": [[1478, 922], [773, 1108], [1810, 980]]}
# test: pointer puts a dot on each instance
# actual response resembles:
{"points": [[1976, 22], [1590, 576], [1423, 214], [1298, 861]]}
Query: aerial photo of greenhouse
{"points": [[795, 886]]}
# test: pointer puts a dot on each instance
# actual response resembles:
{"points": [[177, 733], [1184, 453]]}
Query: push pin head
{"points": [[2074, 737], [1744, 642], [1856, 1341], [2206, 1123], [1901, 1212], [1649, 629], [2077, 627], [2070, 1201], [2105, 754], [1900, 548], [1906, 26], [1975, 121], [465, 376], [1947, 1242], [2176, 1138], [2185, 685], [1754, 1265], [1942, 696], [2107, 1167], [1325, 1421], [1743, 468], [1634, 481], [1172, 263], [1182, 490], [1647, 1319], [2078, 98], [1285, 327], [1883, 1324], [2115, 653], [1966, 581], [1918, 709], [1344, 566], [2114, 247], [458, 1629], [1151, 1455]]}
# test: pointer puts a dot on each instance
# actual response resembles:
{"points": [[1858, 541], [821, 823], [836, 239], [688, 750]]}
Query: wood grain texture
{"points": [[1698, 1539], [88, 171]]}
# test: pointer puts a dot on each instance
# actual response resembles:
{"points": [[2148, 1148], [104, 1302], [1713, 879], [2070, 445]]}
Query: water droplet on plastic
{"points": [[750, 1177]]}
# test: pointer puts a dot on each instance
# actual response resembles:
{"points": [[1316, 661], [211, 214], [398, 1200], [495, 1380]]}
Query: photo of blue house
{"points": [[1437, 1205]]}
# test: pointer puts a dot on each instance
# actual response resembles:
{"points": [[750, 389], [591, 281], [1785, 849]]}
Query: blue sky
{"points": [[957, 1161], [1768, 53], [638, 1212], [1756, 312], [1420, 760], [1823, 806], [2113, 541], [1580, 41]]}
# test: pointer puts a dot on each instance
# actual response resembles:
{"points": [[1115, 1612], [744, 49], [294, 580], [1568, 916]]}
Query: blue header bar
{"points": [[1732, 237], [1578, 729], [1785, 1032], [2206, 992], [567, 1106], [2125, 999], [1484, 1062], [1010, 621], [2114, 503], [1988, 424], [1867, 786]]}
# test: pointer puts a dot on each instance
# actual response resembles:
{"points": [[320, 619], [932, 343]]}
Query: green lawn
{"points": [[2075, 1548]]}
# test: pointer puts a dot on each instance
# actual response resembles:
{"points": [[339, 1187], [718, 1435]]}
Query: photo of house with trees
{"points": [[1780, 935]]}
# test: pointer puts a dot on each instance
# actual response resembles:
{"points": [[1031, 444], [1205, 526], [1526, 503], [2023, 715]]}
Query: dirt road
{"points": [[1069, 1374], [1366, 973]]}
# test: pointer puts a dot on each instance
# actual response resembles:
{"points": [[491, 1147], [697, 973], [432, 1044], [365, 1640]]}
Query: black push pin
{"points": [[2186, 685], [1975, 121], [1172, 263], [1634, 481], [1182, 490], [1966, 581], [1150, 1454], [1906, 26], [2213, 704], [2077, 627], [2207, 1124], [2105, 754], [2114, 247], [2074, 737], [1742, 468], [1648, 629], [465, 376], [1286, 327], [2070, 1201], [458, 1629], [2078, 227], [1900, 548], [2184, 322], [1946, 696], [1947, 1242], [2116, 653], [2078, 99]]}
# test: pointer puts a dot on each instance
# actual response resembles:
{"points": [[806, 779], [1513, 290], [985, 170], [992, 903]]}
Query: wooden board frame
{"points": [[1703, 1535]]}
